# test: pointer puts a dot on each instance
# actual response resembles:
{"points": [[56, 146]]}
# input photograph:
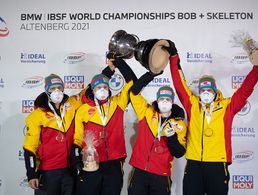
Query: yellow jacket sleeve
{"points": [[33, 130]]}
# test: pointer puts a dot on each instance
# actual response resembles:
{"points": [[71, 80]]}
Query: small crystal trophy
{"points": [[243, 39], [90, 156]]}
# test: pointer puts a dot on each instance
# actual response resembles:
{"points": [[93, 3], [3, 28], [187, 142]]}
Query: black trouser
{"points": [[57, 182], [107, 180], [145, 183], [40, 192], [210, 178]]}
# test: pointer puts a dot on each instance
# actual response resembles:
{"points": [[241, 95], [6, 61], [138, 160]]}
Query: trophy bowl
{"points": [[151, 54], [122, 44]]}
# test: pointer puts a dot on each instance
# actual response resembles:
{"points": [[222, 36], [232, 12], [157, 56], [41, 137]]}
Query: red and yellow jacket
{"points": [[149, 153], [44, 139], [210, 142], [109, 139]]}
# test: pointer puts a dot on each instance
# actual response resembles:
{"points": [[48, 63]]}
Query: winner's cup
{"points": [[149, 53]]}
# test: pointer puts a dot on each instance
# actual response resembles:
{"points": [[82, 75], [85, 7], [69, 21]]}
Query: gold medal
{"points": [[208, 132]]}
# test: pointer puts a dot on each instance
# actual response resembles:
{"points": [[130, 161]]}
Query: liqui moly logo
{"points": [[243, 182], [27, 106], [74, 82]]}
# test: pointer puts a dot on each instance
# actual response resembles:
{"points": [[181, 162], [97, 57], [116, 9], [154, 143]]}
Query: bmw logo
{"points": [[116, 82]]}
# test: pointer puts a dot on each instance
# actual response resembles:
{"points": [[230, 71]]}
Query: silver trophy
{"points": [[149, 53], [243, 39]]}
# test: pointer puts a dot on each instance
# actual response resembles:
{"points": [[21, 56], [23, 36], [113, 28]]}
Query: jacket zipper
{"points": [[203, 118], [105, 141], [66, 144], [148, 159]]}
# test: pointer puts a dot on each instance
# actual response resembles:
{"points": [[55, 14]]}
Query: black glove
{"points": [[112, 55], [171, 49], [143, 81], [76, 158]]}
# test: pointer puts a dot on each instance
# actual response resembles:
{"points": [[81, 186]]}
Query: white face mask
{"points": [[207, 97], [164, 106], [101, 94], [57, 96]]}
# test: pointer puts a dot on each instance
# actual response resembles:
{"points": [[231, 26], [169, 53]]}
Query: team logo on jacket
{"points": [[91, 111], [116, 82], [50, 117], [154, 118]]}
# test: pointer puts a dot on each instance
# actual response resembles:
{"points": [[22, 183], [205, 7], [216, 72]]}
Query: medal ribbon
{"points": [[208, 114], [160, 126], [102, 117], [59, 122]]}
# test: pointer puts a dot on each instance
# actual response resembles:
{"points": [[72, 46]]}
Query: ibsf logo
{"points": [[243, 182], [237, 81], [243, 156], [74, 58], [33, 58], [21, 155], [27, 106], [74, 82], [196, 57], [116, 82], [1, 82], [4, 31], [240, 58], [32, 82], [245, 110]]}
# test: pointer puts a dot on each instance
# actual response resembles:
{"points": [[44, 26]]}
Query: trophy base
{"points": [[158, 57], [90, 167]]}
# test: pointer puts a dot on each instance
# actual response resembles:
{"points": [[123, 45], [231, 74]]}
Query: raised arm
{"points": [[182, 90], [239, 98]]}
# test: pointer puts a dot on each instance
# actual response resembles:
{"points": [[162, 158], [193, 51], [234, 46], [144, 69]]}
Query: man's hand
{"points": [[111, 55], [171, 49], [169, 131], [111, 64], [34, 183]]}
